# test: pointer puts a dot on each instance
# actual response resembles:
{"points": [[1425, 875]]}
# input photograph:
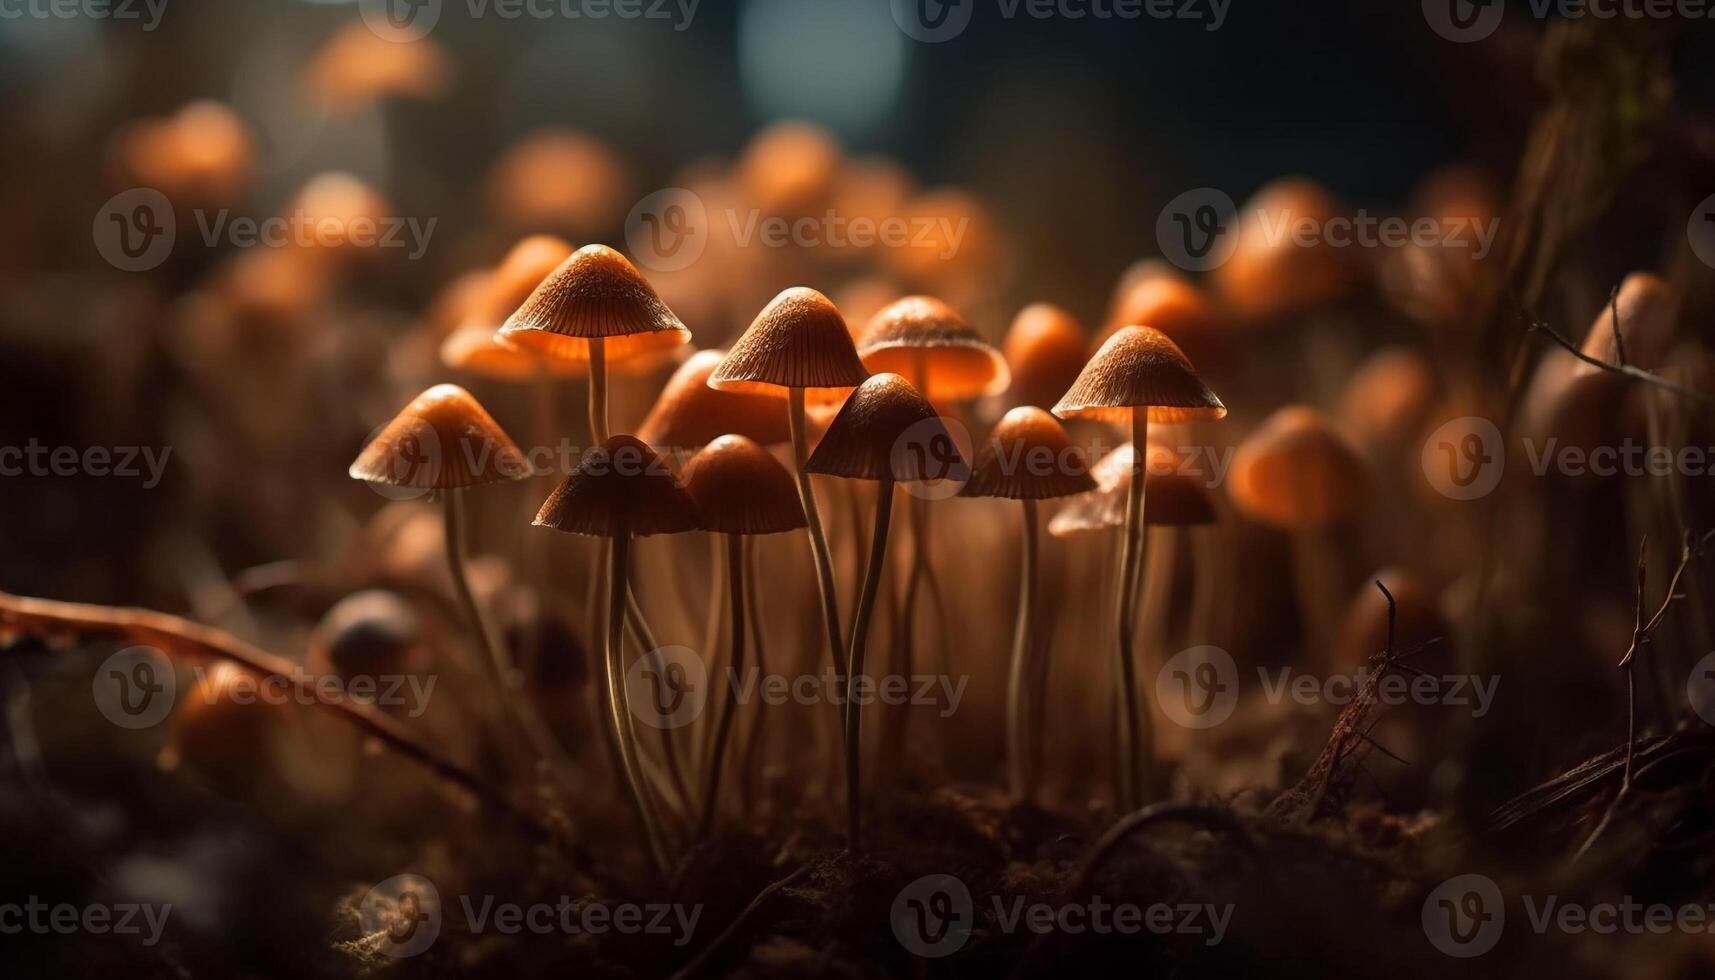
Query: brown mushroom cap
{"points": [[1140, 367], [874, 436], [474, 349], [442, 440], [596, 292], [222, 729], [1389, 397], [1363, 627], [524, 267], [1297, 470], [1648, 311], [740, 489], [1171, 498], [799, 340], [1180, 310], [689, 413], [620, 487], [924, 331], [1045, 349], [1029, 457], [366, 634], [1271, 271]]}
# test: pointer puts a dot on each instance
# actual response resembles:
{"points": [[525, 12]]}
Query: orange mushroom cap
{"points": [[740, 489], [1297, 470], [223, 728], [1029, 457], [1389, 397], [1140, 367], [1271, 271], [1044, 349], [924, 332], [1648, 311], [621, 487], [358, 66], [442, 440], [473, 349], [887, 430], [1180, 310], [689, 413], [595, 292], [799, 340], [559, 178]]}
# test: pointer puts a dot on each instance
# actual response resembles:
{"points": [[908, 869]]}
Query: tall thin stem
{"points": [[1018, 720], [598, 390], [753, 614], [1137, 748], [646, 642], [735, 574], [617, 549], [860, 635], [818, 538]]}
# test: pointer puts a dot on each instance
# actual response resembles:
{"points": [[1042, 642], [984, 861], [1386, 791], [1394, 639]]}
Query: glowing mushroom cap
{"points": [[924, 331], [1389, 397], [595, 292], [886, 430], [473, 349], [620, 487], [799, 340], [559, 178], [442, 440], [1648, 312], [358, 66], [789, 168], [1044, 350], [1272, 270], [740, 489], [689, 413], [201, 154], [1180, 310], [1297, 470], [525, 266], [1029, 457], [1171, 498], [222, 729], [1140, 368]]}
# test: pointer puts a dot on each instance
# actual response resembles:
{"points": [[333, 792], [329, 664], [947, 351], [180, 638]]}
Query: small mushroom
{"points": [[622, 489], [1183, 312], [688, 414], [889, 433], [739, 489], [1044, 348], [1028, 458], [1139, 376]]}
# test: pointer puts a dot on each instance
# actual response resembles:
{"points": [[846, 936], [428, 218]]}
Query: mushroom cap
{"points": [[1297, 470], [595, 292], [509, 285], [799, 340], [366, 634], [474, 349], [221, 728], [1271, 272], [1140, 367], [1389, 397], [559, 178], [442, 440], [620, 487], [1029, 457], [1045, 349], [1648, 312], [1170, 498], [877, 434], [1180, 310], [689, 413], [1363, 626], [739, 488], [924, 331]]}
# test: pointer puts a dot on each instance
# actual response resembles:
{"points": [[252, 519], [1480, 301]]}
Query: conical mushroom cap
{"points": [[1045, 349], [474, 349], [1170, 498], [799, 340], [1029, 457], [524, 267], [1140, 367], [740, 489], [442, 440], [886, 430], [1183, 312], [689, 413], [923, 333], [620, 487], [596, 292], [1297, 470]]}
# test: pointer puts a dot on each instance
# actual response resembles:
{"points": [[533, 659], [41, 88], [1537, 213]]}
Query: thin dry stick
{"points": [[52, 620], [701, 960]]}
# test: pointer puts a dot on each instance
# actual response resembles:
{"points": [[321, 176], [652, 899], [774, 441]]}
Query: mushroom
{"points": [[1272, 272], [1028, 458], [1183, 312], [799, 342], [1298, 472], [619, 490], [445, 442], [739, 489], [1044, 349], [889, 433], [688, 414], [1139, 376], [369, 634], [561, 179]]}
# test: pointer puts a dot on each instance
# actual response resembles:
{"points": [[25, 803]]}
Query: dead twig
{"points": [[1622, 369]]}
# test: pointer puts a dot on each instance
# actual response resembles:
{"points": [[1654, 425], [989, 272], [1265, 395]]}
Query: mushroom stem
{"points": [[527, 726], [1017, 722], [618, 548], [646, 643], [735, 574], [818, 538], [598, 390], [718, 588], [898, 718], [860, 635], [752, 760], [1137, 739]]}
